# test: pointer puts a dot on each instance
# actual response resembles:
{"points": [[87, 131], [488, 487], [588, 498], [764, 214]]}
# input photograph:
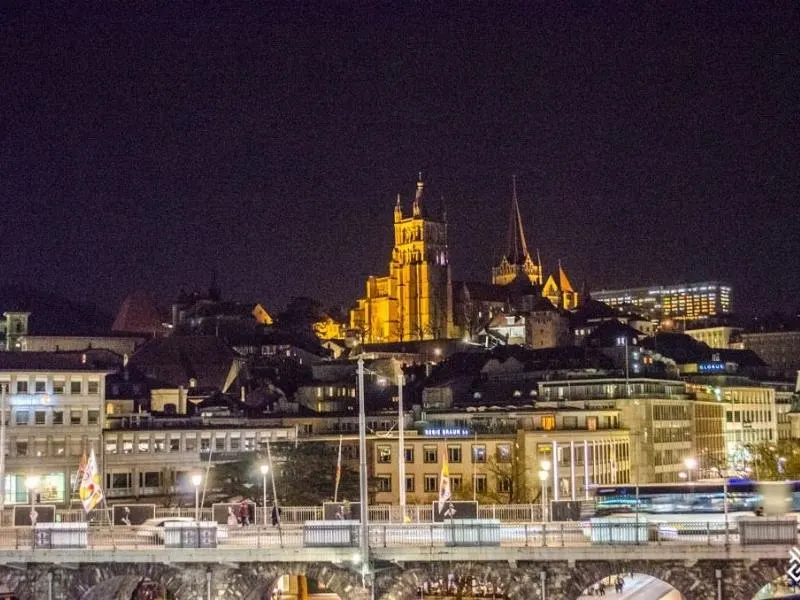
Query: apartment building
{"points": [[53, 411], [750, 414]]}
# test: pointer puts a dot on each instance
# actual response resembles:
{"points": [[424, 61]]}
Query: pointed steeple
{"points": [[563, 281], [398, 210], [416, 208], [539, 264], [517, 248]]}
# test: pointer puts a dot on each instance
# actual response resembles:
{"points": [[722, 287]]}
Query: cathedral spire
{"points": [[517, 250], [563, 281], [416, 208], [398, 210]]}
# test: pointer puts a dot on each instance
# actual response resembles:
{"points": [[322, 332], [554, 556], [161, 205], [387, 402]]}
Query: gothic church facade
{"points": [[415, 300]]}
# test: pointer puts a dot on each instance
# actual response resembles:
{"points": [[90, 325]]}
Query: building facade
{"points": [[415, 300], [13, 327], [54, 415], [681, 302], [751, 417], [779, 349], [716, 337]]}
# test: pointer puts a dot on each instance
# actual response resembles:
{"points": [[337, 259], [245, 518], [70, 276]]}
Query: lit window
{"points": [[384, 454], [430, 455], [431, 483]]}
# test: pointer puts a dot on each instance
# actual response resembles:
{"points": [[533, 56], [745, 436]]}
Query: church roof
{"points": [[177, 359], [563, 281], [517, 246], [138, 314]]}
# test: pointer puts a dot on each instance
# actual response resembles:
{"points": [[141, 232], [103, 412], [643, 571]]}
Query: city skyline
{"points": [[265, 150]]}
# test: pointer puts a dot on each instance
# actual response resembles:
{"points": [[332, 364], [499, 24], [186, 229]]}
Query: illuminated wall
{"points": [[415, 301]]}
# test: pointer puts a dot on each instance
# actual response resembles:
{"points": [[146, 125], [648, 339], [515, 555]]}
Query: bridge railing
{"points": [[416, 513], [398, 535]]}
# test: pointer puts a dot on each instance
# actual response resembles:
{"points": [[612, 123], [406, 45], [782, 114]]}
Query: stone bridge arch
{"points": [[402, 583], [695, 580], [251, 581], [108, 581]]}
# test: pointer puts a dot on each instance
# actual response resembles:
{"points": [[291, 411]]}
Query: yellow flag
{"points": [[90, 492]]}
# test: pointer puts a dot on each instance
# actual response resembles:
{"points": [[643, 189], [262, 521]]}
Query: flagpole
{"points": [[3, 389], [338, 471], [208, 470], [401, 447], [275, 494]]}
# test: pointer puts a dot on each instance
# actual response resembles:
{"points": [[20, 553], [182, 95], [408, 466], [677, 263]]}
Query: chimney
{"points": [[797, 383]]}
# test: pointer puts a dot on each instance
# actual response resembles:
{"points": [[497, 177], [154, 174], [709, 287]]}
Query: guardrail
{"points": [[378, 513], [318, 534]]}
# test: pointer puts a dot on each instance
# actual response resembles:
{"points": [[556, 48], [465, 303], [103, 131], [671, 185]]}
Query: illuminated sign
{"points": [[448, 432], [711, 367]]}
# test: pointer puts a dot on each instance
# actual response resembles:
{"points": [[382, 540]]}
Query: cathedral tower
{"points": [[415, 301], [517, 260]]}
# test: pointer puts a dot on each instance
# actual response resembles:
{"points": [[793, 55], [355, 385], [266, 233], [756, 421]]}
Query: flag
{"points": [[444, 484], [338, 471], [76, 485], [90, 492]]}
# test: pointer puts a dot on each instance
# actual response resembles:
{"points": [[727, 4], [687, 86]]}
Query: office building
{"points": [[681, 302]]}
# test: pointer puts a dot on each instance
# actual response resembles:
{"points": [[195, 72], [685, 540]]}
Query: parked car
{"points": [[153, 529]]}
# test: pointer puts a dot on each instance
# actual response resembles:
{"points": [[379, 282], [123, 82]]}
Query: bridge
{"points": [[523, 561]]}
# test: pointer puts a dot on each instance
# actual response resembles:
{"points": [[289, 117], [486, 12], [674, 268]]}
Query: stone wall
{"points": [[246, 581], [695, 580]]}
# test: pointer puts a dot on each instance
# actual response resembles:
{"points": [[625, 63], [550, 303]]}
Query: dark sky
{"points": [[151, 149]]}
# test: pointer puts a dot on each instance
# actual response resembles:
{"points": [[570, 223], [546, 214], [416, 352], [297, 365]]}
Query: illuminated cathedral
{"points": [[517, 262], [415, 300]]}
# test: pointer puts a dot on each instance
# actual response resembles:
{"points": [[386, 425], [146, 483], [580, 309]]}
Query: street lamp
{"points": [[264, 471], [362, 482], [197, 479], [32, 482], [691, 465], [544, 475]]}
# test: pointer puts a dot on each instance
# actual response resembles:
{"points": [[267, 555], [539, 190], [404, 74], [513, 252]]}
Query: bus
{"points": [[693, 500]]}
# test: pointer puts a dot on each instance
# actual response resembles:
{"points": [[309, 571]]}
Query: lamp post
{"points": [[544, 475], [32, 482], [362, 455], [264, 471], [691, 465], [3, 389], [401, 447], [197, 479]]}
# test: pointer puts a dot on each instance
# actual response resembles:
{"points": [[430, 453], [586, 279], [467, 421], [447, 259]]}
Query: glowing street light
{"points": [[197, 479], [264, 470], [691, 465], [32, 482], [544, 475]]}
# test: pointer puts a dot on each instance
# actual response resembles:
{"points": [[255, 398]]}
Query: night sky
{"points": [[155, 150]]}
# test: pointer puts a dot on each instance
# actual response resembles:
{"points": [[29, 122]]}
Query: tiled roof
{"points": [[138, 314], [177, 359], [46, 361]]}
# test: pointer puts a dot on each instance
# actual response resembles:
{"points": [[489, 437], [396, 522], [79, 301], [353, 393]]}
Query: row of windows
{"points": [[46, 448], [664, 435], [748, 416], [73, 387], [75, 416], [430, 454], [671, 413], [430, 483], [190, 442]]}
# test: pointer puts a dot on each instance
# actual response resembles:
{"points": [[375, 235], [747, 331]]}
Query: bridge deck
{"points": [[397, 543]]}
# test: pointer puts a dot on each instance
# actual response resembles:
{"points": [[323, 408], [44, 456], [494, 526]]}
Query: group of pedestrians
{"points": [[599, 588]]}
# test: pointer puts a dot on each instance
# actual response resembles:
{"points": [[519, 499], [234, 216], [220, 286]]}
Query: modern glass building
{"points": [[684, 301]]}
